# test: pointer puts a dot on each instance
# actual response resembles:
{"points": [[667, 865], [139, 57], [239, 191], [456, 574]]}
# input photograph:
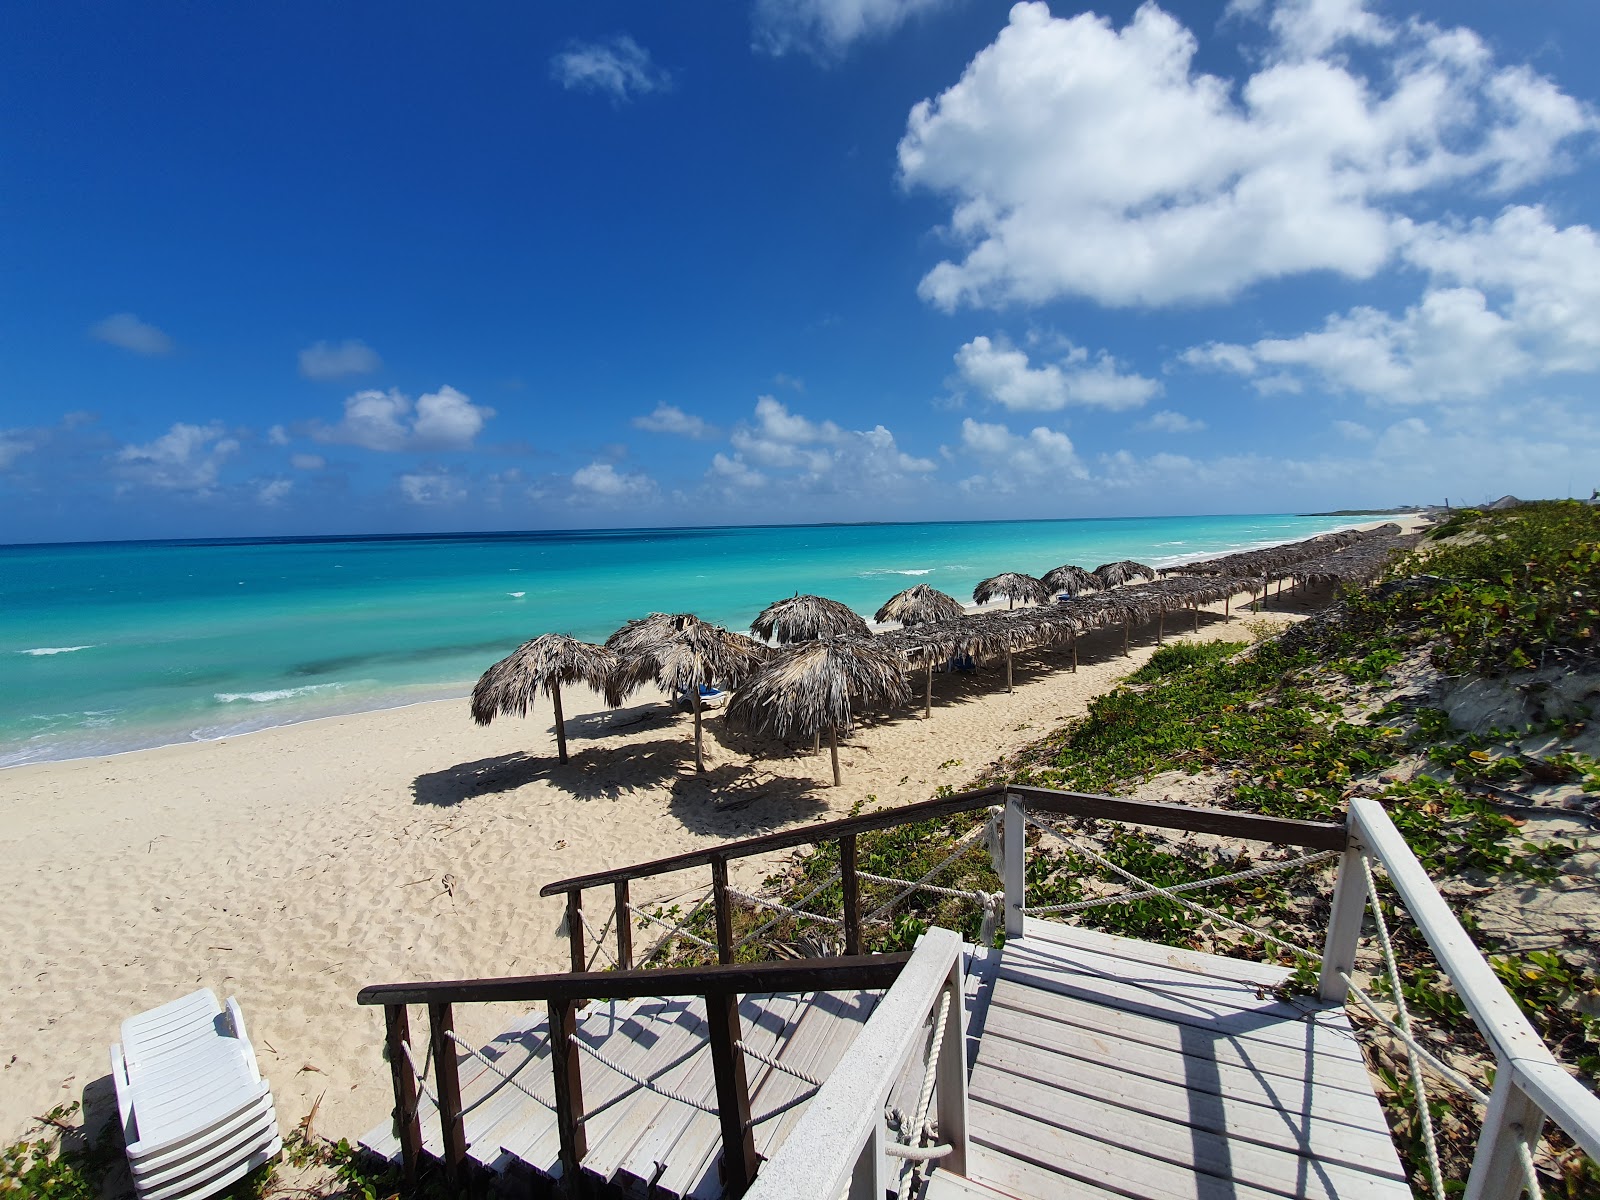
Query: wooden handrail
{"points": [[1319, 835], [799, 975]]}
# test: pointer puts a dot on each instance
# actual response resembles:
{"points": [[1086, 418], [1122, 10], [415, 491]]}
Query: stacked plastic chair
{"points": [[196, 1114]]}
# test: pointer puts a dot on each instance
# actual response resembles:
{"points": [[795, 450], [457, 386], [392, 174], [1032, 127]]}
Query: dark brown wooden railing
{"points": [[1314, 835], [563, 995]]}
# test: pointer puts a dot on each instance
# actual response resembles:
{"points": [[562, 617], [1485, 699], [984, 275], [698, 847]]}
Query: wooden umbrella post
{"points": [[1009, 688], [927, 705], [561, 725], [1197, 616], [699, 752], [833, 748], [1125, 626]]}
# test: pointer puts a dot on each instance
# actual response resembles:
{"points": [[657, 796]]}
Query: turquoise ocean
{"points": [[106, 647]]}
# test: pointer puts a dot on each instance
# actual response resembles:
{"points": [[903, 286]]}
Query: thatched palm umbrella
{"points": [[681, 653], [805, 618], [1013, 586], [1068, 578], [1115, 574], [921, 605], [810, 686], [543, 664]]}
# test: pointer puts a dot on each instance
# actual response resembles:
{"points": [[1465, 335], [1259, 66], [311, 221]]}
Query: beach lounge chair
{"points": [[196, 1114], [711, 696]]}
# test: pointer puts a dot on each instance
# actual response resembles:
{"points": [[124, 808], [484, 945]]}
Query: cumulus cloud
{"points": [[128, 332], [431, 489], [669, 418], [1168, 421], [1355, 431], [187, 458], [1509, 299], [14, 443], [272, 492], [602, 482], [735, 472], [388, 421], [825, 29], [324, 360], [1084, 160], [821, 455], [307, 462], [1015, 462], [617, 67], [1002, 373]]}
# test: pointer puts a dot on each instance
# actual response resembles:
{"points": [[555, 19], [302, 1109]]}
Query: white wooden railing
{"points": [[841, 1144], [1530, 1086]]}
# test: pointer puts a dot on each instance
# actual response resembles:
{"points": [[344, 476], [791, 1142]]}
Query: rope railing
{"points": [[1257, 872], [1168, 893], [783, 910], [510, 1078], [673, 930], [909, 886]]}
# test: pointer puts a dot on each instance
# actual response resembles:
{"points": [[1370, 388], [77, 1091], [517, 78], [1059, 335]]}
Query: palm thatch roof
{"points": [[811, 686], [919, 605], [1013, 586], [1068, 578], [543, 664], [1115, 574], [804, 618], [1276, 562]]}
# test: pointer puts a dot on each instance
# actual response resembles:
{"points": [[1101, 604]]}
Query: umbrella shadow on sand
{"points": [[738, 800], [591, 774]]}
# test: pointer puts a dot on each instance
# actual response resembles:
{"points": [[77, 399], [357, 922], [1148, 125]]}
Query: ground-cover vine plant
{"points": [[1294, 726]]}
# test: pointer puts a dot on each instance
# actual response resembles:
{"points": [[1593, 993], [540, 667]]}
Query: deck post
{"points": [[870, 1180], [733, 1094], [568, 1081], [1014, 844], [1344, 925], [624, 922], [723, 907], [407, 1126], [952, 1075], [580, 961], [447, 1082], [852, 894], [1512, 1117]]}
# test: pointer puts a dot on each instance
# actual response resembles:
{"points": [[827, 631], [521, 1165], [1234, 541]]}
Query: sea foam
{"points": [[41, 651], [266, 697]]}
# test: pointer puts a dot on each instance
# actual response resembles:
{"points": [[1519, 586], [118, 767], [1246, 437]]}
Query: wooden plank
{"points": [[623, 920], [567, 1070], [852, 894], [575, 929], [722, 908], [1175, 982], [1183, 1148], [1016, 1177], [794, 975], [1328, 1037], [805, 835], [1196, 1011], [1179, 958], [1283, 831], [1238, 1069], [1274, 1117], [408, 1132], [447, 1086]]}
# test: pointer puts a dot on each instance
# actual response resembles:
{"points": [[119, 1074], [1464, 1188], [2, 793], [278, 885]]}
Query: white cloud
{"points": [[1355, 431], [1168, 421], [822, 455], [324, 360], [1016, 462], [1001, 373], [669, 418], [278, 436], [617, 67], [130, 333], [735, 472], [1509, 300], [1083, 160], [307, 462], [14, 443], [387, 421], [825, 29], [187, 458], [600, 481], [273, 491], [431, 489]]}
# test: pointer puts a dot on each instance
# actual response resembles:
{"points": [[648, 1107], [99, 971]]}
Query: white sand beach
{"points": [[293, 866]]}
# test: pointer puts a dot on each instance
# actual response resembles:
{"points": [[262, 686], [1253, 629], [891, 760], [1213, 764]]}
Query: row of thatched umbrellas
{"points": [[828, 666]]}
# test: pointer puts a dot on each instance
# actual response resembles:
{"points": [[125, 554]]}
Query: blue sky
{"points": [[300, 268]]}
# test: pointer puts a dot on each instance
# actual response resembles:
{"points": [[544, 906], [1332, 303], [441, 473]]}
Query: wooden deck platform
{"points": [[1097, 1066], [1106, 1065], [639, 1140]]}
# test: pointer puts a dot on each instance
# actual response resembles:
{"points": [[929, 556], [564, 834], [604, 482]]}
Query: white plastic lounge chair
{"points": [[196, 1114]]}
